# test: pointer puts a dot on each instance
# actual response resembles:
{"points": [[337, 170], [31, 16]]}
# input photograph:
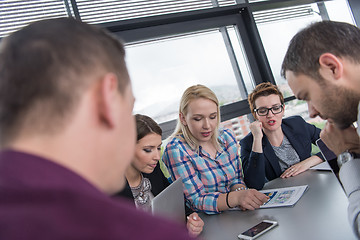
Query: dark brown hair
{"points": [[146, 125], [338, 38]]}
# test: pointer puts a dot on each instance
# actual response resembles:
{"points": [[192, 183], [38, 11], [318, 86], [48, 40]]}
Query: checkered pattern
{"points": [[204, 178]]}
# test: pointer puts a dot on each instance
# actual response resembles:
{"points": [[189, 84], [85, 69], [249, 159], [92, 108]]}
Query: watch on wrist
{"points": [[241, 188], [345, 157]]}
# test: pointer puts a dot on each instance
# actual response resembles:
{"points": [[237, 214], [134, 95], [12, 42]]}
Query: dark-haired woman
{"points": [[144, 177]]}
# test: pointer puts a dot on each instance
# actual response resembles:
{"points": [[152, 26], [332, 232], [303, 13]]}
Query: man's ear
{"points": [[107, 99], [331, 66], [182, 119]]}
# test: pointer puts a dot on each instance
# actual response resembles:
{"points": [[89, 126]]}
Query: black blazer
{"points": [[260, 167]]}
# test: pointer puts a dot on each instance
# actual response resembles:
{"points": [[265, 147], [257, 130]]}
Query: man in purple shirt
{"points": [[67, 135]]}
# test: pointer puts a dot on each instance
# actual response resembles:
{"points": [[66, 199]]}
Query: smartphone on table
{"points": [[258, 230]]}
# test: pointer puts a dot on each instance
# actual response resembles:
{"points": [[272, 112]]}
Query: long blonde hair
{"points": [[192, 93]]}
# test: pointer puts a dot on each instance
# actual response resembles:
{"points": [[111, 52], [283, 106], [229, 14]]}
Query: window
{"points": [[174, 44], [276, 44], [161, 71]]}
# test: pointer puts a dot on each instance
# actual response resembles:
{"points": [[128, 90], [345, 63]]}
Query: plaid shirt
{"points": [[204, 178]]}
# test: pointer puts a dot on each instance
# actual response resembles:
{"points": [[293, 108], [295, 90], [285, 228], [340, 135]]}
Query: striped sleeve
{"points": [[233, 149], [179, 163]]}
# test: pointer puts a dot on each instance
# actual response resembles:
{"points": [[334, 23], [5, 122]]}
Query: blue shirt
{"points": [[205, 177]]}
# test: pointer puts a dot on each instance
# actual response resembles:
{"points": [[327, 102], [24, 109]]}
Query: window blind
{"points": [[282, 14], [98, 11], [15, 14]]}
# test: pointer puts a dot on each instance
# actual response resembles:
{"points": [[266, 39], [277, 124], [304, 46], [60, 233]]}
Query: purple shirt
{"points": [[40, 199]]}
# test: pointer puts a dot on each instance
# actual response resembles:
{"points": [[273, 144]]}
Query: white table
{"points": [[321, 213]]}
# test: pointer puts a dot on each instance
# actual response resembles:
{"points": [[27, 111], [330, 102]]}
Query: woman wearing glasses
{"points": [[276, 147]]}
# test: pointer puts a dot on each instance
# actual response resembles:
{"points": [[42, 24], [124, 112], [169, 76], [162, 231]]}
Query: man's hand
{"points": [[340, 140]]}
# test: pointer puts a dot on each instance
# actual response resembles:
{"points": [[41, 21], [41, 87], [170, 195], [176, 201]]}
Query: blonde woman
{"points": [[206, 157]]}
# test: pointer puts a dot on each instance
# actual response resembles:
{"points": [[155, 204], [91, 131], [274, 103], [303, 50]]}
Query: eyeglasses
{"points": [[263, 111]]}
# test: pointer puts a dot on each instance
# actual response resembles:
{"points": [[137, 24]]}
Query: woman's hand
{"points": [[256, 129], [194, 224], [294, 170], [250, 199], [300, 167]]}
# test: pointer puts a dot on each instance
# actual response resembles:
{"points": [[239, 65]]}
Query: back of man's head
{"points": [[338, 38], [45, 67]]}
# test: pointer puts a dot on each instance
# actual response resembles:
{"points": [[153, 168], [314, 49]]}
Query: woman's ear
{"points": [[331, 66], [182, 119]]}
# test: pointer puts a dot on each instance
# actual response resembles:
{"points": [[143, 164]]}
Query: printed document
{"points": [[283, 197]]}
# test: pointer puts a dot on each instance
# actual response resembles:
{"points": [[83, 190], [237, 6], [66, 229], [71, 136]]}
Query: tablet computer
{"points": [[328, 155], [170, 202]]}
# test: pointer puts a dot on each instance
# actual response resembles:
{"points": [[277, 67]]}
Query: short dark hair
{"points": [[338, 38], [146, 125], [45, 67], [261, 90]]}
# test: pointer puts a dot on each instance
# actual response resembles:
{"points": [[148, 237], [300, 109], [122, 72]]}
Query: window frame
{"points": [[239, 16]]}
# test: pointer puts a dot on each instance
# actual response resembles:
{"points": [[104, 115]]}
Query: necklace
{"points": [[141, 192]]}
